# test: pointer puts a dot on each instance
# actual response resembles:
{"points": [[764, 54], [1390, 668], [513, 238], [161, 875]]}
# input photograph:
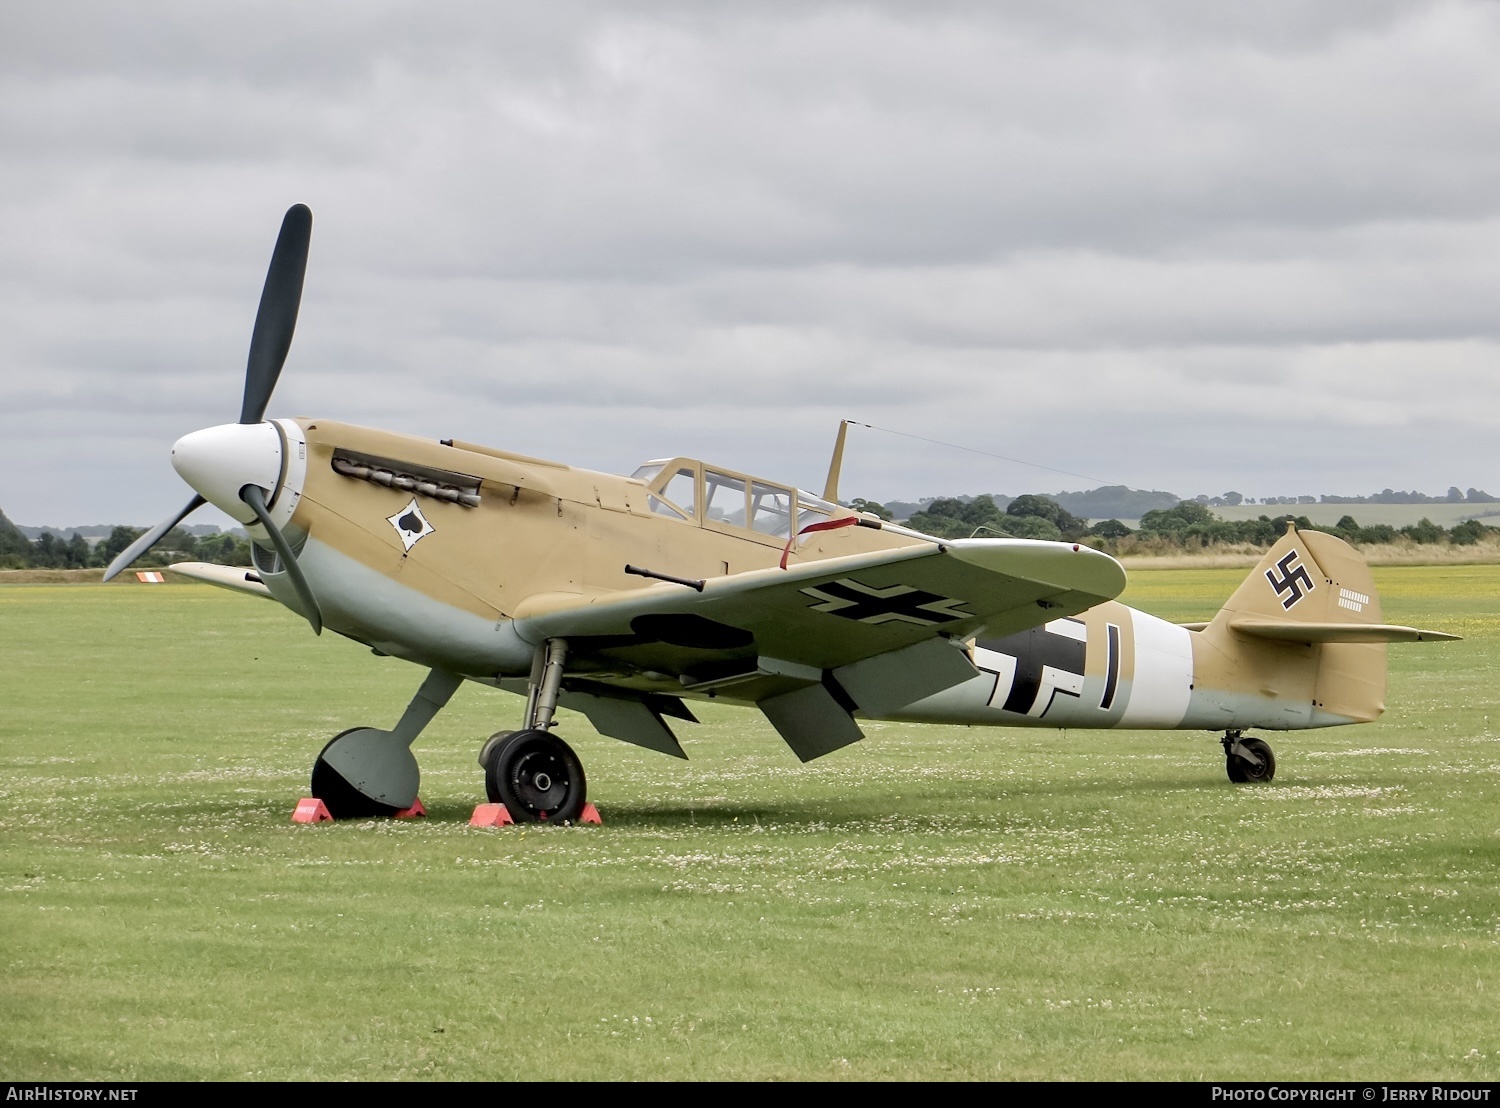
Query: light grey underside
{"points": [[379, 611]]}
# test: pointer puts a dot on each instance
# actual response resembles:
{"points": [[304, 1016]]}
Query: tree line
{"points": [[51, 552], [1190, 525], [1455, 495]]}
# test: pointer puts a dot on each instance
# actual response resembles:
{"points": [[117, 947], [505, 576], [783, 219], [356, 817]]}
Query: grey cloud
{"points": [[1092, 235]]}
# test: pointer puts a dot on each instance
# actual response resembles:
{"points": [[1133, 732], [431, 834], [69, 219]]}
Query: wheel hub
{"points": [[540, 781]]}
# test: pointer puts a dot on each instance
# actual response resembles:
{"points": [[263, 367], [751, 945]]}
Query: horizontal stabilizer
{"points": [[1288, 631], [237, 578]]}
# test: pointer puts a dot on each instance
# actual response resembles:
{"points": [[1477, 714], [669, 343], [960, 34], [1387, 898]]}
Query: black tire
{"points": [[1242, 771], [537, 777], [485, 753], [342, 799]]}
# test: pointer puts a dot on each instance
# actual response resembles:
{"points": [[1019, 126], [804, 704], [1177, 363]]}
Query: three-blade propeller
{"points": [[271, 339]]}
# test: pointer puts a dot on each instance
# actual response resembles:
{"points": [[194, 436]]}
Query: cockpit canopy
{"points": [[722, 500]]}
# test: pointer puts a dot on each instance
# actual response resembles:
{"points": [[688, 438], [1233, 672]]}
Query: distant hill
{"points": [[1128, 505], [1115, 502], [95, 532], [1105, 502]]}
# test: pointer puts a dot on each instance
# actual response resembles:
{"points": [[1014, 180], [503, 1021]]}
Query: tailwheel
{"points": [[343, 781], [536, 776], [1248, 761]]}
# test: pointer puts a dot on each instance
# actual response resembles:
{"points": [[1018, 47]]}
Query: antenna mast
{"points": [[831, 486]]}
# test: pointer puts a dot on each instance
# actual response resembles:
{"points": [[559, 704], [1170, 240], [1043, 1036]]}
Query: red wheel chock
{"points": [[312, 810], [490, 815], [416, 811], [497, 815]]}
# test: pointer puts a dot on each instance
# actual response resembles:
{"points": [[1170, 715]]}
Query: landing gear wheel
{"points": [[342, 799], [1243, 771], [485, 752], [536, 776]]}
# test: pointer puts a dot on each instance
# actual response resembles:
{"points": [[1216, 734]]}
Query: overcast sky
{"points": [[1171, 245]]}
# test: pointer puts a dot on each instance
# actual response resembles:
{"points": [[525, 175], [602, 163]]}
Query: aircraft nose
{"points": [[220, 461]]}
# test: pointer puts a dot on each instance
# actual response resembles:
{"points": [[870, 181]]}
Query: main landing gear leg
{"points": [[1247, 761], [368, 772], [531, 771]]}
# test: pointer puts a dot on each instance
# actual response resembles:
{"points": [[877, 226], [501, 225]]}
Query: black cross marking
{"points": [[1037, 649], [1291, 575], [867, 604]]}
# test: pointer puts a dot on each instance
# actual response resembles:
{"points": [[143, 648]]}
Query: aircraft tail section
{"points": [[1304, 631]]}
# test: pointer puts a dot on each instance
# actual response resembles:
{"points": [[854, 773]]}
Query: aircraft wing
{"points": [[868, 632]]}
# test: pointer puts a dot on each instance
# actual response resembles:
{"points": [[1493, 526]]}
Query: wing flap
{"points": [[630, 720], [812, 721]]}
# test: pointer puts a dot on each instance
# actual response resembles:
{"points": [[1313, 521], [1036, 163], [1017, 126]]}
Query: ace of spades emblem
{"points": [[411, 524]]}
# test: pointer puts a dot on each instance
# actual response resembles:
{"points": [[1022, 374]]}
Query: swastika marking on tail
{"points": [[1294, 583]]}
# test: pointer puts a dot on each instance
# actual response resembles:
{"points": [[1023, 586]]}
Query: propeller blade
{"points": [[255, 496], [150, 539], [277, 317]]}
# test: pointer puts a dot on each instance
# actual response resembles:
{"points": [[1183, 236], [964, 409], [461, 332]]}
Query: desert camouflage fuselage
{"points": [[466, 559]]}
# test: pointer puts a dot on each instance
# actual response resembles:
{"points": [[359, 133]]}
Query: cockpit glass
{"points": [[662, 508], [724, 498], [770, 510], [648, 471], [680, 492]]}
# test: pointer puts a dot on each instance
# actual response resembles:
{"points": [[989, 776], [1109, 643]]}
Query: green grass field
{"points": [[931, 903]]}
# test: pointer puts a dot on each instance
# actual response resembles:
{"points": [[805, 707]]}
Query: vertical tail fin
{"points": [[1304, 630], [1311, 578]]}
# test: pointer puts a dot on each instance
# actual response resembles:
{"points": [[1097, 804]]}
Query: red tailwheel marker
{"points": [[416, 811], [590, 815], [312, 810]]}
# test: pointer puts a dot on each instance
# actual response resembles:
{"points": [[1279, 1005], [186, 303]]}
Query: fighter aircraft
{"points": [[627, 598]]}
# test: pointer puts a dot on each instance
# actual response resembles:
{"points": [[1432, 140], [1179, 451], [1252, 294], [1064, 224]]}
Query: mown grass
{"points": [[933, 902]]}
